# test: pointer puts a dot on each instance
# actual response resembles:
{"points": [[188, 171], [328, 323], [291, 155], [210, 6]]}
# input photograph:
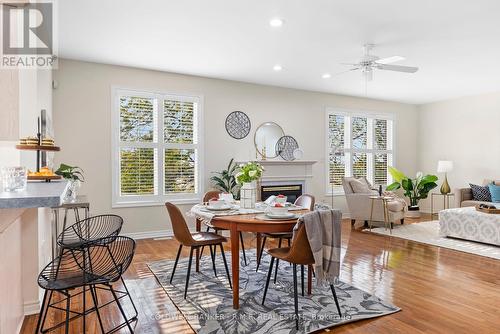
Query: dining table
{"points": [[250, 222]]}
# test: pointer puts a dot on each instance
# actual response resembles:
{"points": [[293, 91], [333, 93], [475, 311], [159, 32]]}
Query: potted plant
{"points": [[74, 175], [415, 189], [225, 180], [247, 176]]}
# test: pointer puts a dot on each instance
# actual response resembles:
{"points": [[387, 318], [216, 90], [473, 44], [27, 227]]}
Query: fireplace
{"points": [[291, 191]]}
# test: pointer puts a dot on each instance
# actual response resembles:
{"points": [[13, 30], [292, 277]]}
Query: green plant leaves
{"points": [[225, 180], [397, 175], [70, 172]]}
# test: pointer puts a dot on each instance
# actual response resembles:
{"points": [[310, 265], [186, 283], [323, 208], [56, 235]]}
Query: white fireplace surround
{"points": [[281, 172]]}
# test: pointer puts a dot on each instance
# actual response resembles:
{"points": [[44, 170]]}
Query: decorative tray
{"points": [[490, 211]]}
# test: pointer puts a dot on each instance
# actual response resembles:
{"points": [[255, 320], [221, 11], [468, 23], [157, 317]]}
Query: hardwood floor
{"points": [[439, 290]]}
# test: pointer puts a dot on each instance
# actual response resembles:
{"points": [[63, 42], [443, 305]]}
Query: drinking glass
{"points": [[14, 178]]}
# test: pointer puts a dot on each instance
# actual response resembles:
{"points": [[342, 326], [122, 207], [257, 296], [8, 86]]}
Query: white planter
{"points": [[248, 195], [413, 214]]}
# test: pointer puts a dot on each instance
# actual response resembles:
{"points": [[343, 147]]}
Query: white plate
{"points": [[221, 208], [266, 217], [280, 215]]}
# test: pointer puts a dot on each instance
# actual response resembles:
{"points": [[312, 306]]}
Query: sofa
{"points": [[463, 196], [358, 191]]}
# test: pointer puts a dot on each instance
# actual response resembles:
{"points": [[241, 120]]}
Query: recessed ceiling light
{"points": [[326, 76], [277, 67], [276, 22]]}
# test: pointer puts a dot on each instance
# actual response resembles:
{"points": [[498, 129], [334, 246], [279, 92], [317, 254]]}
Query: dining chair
{"points": [[305, 201], [208, 196], [194, 241], [298, 254]]}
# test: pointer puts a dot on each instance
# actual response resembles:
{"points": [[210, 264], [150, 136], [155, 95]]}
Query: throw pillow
{"points": [[360, 186], [495, 192], [480, 193]]}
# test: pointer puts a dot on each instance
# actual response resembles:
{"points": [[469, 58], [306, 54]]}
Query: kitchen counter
{"points": [[36, 195]]}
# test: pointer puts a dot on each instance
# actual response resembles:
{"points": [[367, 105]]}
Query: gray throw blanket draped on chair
{"points": [[323, 228]]}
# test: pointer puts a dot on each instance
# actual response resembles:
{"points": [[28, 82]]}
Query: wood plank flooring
{"points": [[439, 290]]}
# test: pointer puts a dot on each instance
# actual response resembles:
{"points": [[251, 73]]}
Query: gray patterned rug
{"points": [[208, 307]]}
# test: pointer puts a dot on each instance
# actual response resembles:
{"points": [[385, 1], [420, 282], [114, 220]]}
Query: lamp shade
{"points": [[444, 166]]}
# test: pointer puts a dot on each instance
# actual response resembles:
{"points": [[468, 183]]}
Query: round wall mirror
{"points": [[265, 139]]}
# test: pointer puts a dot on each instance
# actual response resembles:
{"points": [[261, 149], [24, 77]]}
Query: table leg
{"points": [[198, 229], [371, 214], [235, 265], [258, 244], [309, 279], [432, 206]]}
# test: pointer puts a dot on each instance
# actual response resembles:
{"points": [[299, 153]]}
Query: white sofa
{"points": [[359, 203]]}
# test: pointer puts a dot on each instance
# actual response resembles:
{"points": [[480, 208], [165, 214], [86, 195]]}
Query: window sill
{"points": [[133, 204]]}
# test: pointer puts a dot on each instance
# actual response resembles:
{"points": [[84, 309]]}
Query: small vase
{"points": [[71, 191], [248, 195]]}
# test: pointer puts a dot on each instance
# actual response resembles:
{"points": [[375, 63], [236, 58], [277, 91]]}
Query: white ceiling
{"points": [[456, 44]]}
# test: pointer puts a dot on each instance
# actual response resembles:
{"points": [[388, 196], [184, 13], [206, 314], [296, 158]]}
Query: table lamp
{"points": [[445, 166]]}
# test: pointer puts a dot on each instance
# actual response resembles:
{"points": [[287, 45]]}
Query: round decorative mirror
{"points": [[265, 139]]}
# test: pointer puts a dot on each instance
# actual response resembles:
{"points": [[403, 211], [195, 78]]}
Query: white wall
{"points": [[82, 125], [464, 130]]}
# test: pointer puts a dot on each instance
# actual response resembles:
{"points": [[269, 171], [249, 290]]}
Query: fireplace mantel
{"points": [[280, 172]]}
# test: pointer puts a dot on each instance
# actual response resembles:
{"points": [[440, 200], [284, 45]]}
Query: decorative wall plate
{"points": [[238, 124], [298, 153], [285, 147]]}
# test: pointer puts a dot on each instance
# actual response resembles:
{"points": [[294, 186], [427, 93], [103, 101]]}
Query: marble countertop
{"points": [[36, 195]]}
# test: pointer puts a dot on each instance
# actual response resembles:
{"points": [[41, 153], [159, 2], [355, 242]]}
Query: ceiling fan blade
{"points": [[349, 70], [397, 68], [390, 60]]}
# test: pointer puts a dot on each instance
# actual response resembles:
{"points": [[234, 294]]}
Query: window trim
{"points": [[118, 201], [348, 141]]}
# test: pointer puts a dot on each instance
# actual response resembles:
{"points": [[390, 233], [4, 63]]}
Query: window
{"points": [[157, 153], [360, 145]]}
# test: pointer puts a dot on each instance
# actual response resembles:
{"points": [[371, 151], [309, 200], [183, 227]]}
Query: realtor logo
{"points": [[28, 35]]}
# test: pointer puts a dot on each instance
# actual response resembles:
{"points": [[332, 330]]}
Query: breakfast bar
{"points": [[25, 244]]}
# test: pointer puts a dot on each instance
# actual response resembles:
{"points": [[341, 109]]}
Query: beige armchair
{"points": [[358, 192]]}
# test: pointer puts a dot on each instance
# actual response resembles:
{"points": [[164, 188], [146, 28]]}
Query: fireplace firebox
{"points": [[291, 191]]}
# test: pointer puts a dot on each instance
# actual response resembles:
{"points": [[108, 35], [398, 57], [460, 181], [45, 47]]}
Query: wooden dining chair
{"points": [[194, 241], [305, 201], [298, 254], [208, 196]]}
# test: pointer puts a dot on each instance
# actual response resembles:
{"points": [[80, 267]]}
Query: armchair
{"points": [[359, 203]]}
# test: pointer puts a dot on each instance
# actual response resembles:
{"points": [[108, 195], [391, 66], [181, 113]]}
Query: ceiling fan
{"points": [[369, 63]]}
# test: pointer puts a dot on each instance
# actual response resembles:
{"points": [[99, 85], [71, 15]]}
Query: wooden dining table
{"points": [[248, 223]]}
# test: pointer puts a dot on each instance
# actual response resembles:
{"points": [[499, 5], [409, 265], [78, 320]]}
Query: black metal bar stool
{"points": [[81, 203], [110, 258]]}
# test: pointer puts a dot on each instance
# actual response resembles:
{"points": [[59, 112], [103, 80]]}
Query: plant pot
{"points": [[413, 212], [248, 195], [71, 191]]}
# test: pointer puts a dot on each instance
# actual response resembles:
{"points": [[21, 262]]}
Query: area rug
{"points": [[428, 233], [208, 307]]}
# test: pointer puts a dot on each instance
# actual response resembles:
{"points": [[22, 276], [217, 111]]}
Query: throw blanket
{"points": [[323, 229]]}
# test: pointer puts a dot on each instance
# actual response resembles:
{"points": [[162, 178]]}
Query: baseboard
{"points": [[150, 234], [32, 307]]}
